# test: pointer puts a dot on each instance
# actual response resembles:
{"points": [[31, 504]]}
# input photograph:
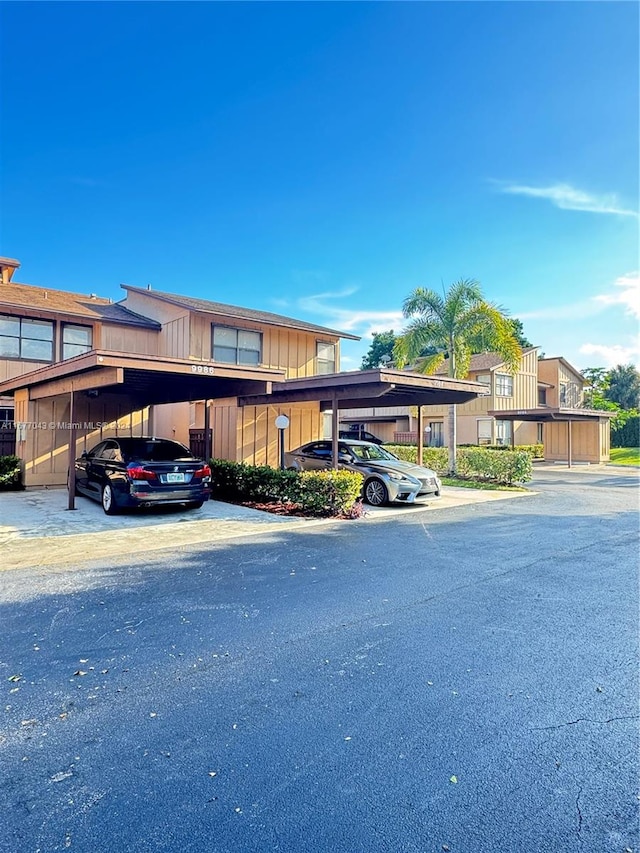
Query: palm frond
{"points": [[427, 303]]}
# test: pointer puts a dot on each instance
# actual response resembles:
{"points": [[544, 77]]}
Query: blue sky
{"points": [[323, 160]]}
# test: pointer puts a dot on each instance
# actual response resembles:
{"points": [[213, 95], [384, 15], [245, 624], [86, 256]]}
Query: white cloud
{"points": [[628, 294], [610, 356], [567, 197], [359, 321]]}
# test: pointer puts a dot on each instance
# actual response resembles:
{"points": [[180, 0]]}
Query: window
{"points": [[563, 393], [504, 432], [484, 431], [24, 338], [325, 357], [436, 437], [542, 396], [484, 379], [236, 346], [76, 340], [504, 385], [540, 435]]}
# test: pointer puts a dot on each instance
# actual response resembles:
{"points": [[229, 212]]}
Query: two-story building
{"points": [[76, 368], [541, 403]]}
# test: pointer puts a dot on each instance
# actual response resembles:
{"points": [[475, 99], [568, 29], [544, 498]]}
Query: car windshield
{"points": [[369, 452], [153, 450]]}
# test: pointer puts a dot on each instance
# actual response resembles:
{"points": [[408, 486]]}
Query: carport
{"points": [[83, 395], [595, 419], [367, 388]]}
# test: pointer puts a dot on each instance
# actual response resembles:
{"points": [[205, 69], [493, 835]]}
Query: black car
{"points": [[134, 472], [360, 435]]}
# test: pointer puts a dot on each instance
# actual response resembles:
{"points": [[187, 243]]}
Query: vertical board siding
{"points": [[129, 339], [47, 445]]}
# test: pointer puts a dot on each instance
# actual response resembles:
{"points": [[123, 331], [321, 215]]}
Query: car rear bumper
{"points": [[141, 497]]}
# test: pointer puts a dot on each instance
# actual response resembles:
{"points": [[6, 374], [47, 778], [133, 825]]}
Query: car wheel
{"points": [[437, 494], [195, 505], [108, 500], [375, 492]]}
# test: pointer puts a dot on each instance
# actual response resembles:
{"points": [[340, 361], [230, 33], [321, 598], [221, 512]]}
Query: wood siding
{"points": [[589, 441], [46, 444], [249, 434], [129, 339], [10, 368], [554, 372], [283, 349]]}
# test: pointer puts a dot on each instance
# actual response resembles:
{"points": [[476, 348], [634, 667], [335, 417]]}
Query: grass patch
{"points": [[480, 484], [625, 455]]}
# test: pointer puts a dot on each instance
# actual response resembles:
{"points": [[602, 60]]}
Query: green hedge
{"points": [[504, 467], [536, 450], [10, 473], [322, 493], [475, 463], [627, 434]]}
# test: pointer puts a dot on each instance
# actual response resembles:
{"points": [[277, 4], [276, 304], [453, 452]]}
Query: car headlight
{"points": [[394, 475]]}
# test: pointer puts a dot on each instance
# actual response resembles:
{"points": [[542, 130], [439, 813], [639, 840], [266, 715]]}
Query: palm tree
{"points": [[453, 324]]}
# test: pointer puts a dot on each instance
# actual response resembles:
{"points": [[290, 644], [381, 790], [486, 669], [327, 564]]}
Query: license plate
{"points": [[175, 478]]}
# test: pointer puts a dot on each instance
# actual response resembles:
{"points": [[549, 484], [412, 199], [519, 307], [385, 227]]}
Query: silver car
{"points": [[386, 478]]}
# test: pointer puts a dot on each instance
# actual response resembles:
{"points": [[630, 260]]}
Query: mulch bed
{"points": [[279, 508]]}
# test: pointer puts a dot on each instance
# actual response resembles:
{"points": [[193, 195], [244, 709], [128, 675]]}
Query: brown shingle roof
{"points": [[481, 361], [47, 301], [209, 307]]}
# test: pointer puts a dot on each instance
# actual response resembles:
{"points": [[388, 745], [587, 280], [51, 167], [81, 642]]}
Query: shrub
{"points": [[10, 473], [536, 450], [627, 434], [324, 493], [504, 466], [432, 457]]}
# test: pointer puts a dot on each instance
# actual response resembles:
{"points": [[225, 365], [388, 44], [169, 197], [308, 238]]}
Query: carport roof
{"points": [[151, 379], [367, 388], [547, 415], [156, 379]]}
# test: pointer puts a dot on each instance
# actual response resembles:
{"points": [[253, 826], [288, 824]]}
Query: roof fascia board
{"points": [[287, 322]]}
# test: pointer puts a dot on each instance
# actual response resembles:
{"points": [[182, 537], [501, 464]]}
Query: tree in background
{"points": [[452, 325], [380, 351], [624, 386], [518, 331], [596, 388]]}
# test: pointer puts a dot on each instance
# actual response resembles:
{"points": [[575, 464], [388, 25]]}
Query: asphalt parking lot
{"points": [[415, 681]]}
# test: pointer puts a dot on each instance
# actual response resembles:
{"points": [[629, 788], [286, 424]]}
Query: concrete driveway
{"points": [[36, 528]]}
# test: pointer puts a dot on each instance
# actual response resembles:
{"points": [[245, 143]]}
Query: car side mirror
{"points": [[84, 455]]}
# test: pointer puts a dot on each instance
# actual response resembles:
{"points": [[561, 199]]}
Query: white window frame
{"points": [[234, 353], [72, 347], [326, 365], [504, 385], [503, 426], [23, 338], [484, 439]]}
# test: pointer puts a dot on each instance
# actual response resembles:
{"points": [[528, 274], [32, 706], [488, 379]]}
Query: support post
{"points": [[334, 432], [420, 435], [207, 433], [71, 479], [569, 448]]}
